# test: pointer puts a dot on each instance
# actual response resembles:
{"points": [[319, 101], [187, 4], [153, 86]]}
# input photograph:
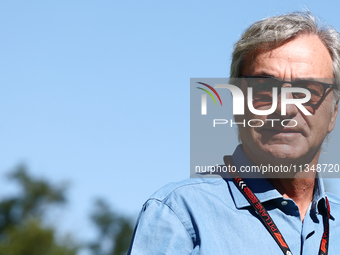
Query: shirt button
{"points": [[284, 202]]}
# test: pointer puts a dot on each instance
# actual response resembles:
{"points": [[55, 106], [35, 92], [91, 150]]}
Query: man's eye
{"points": [[314, 88], [265, 86], [314, 92], [263, 92]]}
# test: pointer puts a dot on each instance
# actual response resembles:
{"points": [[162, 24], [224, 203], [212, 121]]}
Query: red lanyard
{"points": [[268, 221]]}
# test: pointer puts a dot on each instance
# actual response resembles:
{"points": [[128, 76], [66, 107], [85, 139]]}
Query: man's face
{"points": [[304, 57]]}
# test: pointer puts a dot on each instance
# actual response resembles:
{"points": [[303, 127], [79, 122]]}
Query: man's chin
{"points": [[282, 152]]}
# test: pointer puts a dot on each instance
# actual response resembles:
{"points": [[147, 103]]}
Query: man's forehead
{"points": [[304, 56]]}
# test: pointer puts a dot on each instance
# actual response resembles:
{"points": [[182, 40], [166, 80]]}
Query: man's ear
{"points": [[331, 124]]}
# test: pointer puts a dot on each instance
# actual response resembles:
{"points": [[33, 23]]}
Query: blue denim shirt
{"points": [[210, 216]]}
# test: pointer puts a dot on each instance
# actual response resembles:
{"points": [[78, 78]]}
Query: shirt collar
{"points": [[265, 191], [319, 203]]}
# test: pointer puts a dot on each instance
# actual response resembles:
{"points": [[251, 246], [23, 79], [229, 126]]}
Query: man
{"points": [[270, 215]]}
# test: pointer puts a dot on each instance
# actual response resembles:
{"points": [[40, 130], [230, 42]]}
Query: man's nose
{"points": [[291, 109]]}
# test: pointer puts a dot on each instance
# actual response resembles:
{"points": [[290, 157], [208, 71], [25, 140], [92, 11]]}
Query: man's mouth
{"points": [[281, 131]]}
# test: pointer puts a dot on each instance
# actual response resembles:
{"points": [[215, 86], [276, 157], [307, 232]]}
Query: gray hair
{"points": [[272, 32]]}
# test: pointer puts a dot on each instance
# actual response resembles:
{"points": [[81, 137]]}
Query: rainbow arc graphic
{"points": [[209, 93], [204, 97]]}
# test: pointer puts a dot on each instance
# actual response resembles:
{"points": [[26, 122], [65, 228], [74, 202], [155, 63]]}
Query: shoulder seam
{"points": [[162, 202], [174, 189]]}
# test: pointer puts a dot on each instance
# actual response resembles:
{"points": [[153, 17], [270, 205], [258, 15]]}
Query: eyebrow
{"points": [[263, 73], [307, 79]]}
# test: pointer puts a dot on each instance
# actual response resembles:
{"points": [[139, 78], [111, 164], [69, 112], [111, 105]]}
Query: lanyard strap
{"points": [[267, 219]]}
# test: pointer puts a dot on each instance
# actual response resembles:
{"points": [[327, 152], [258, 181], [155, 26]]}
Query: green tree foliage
{"points": [[22, 231], [22, 228], [114, 231], [32, 238]]}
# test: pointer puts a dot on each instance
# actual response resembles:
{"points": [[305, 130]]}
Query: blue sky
{"points": [[97, 92]]}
